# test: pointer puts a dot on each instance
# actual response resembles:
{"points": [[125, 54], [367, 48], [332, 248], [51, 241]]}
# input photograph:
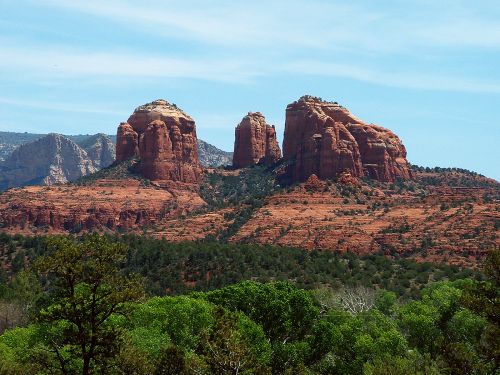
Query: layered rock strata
{"points": [[164, 138], [325, 139]]}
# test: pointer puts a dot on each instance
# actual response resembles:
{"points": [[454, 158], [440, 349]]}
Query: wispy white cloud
{"points": [[58, 64], [408, 80], [36, 61], [219, 23], [242, 44], [62, 107], [357, 25], [461, 32]]}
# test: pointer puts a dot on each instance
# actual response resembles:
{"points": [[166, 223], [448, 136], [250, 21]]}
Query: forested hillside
{"points": [[111, 305]]}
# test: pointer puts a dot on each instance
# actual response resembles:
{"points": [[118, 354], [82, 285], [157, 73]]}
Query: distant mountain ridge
{"points": [[100, 149], [55, 158], [211, 156], [9, 141]]}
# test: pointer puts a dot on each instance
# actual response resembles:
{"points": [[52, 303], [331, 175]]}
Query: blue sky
{"points": [[429, 70]]}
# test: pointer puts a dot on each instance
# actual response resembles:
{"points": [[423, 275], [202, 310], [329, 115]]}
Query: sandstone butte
{"points": [[255, 142], [313, 215], [164, 138], [455, 216], [325, 139]]}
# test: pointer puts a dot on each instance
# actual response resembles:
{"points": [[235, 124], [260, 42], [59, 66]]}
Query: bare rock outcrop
{"points": [[213, 157], [382, 153], [100, 149], [346, 178], [164, 138], [127, 142], [325, 139], [103, 205], [255, 142], [313, 183], [50, 160]]}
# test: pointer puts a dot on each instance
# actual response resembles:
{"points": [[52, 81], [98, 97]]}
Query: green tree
{"points": [[163, 321], [412, 364], [87, 291], [284, 311], [236, 345], [172, 362], [385, 301], [347, 341], [483, 298]]}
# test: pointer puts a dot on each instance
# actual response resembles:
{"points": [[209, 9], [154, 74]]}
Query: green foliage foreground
{"points": [[95, 319]]}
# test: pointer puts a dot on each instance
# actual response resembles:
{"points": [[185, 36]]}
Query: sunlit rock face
{"points": [[255, 142], [164, 138], [325, 139]]}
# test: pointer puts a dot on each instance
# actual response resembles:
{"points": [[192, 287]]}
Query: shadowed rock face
{"points": [[325, 139], [164, 138], [255, 142], [127, 142]]}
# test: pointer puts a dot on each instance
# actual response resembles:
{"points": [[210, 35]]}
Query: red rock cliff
{"points": [[255, 142], [127, 142], [164, 137], [325, 139]]}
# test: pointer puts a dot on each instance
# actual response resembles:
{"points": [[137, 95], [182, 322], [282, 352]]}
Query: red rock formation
{"points": [[273, 151], [164, 137], [127, 142], [313, 183], [325, 139], [346, 178], [314, 215], [255, 142], [319, 144], [104, 205], [382, 153]]}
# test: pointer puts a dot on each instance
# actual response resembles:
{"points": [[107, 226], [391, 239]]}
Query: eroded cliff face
{"points": [[325, 139], [50, 160], [105, 205], [127, 142], [100, 149], [164, 138], [255, 142], [383, 155]]}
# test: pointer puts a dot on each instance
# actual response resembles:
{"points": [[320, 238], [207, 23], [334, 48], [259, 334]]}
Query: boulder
{"points": [[313, 183]]}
